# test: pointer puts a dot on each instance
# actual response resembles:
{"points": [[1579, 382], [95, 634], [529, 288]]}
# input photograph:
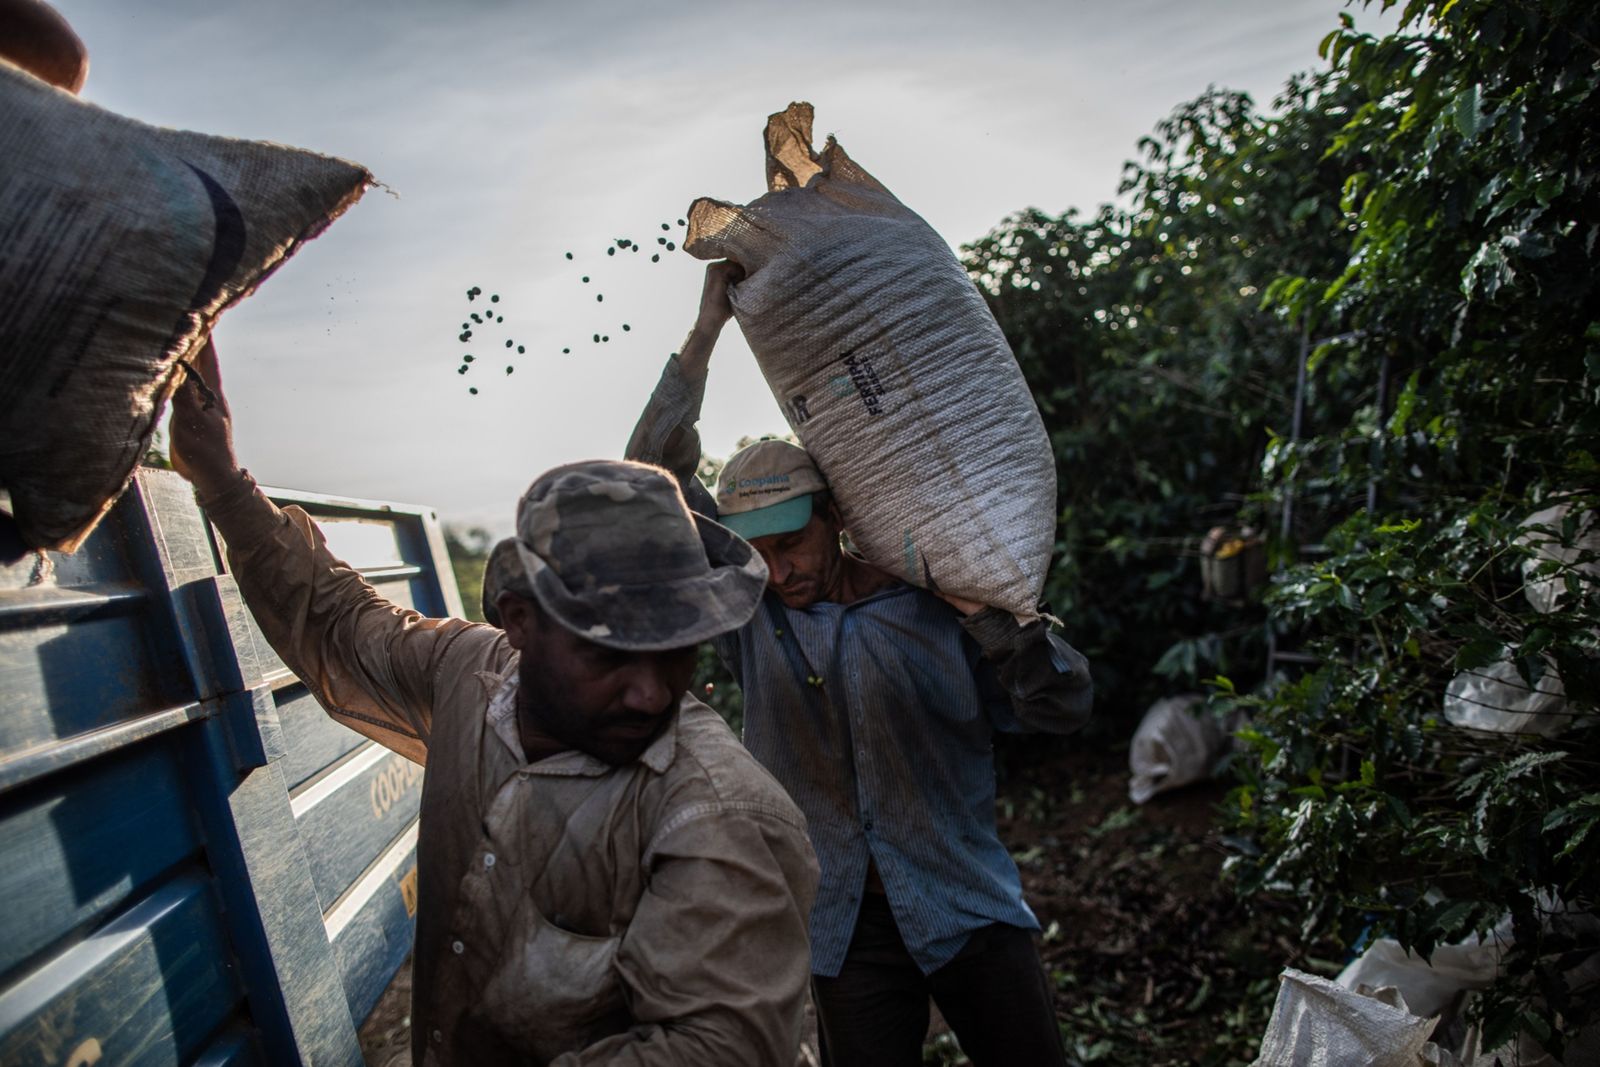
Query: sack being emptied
{"points": [[122, 244], [891, 370]]}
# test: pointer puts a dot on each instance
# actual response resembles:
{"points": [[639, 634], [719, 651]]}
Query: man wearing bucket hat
{"points": [[875, 703], [605, 874]]}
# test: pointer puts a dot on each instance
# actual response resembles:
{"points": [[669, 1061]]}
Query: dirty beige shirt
{"points": [[569, 912]]}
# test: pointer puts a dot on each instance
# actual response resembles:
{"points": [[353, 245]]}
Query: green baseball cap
{"points": [[767, 489]]}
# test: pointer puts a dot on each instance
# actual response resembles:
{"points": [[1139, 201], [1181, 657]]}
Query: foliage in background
{"points": [[1157, 373], [1471, 189], [469, 554], [1421, 219]]}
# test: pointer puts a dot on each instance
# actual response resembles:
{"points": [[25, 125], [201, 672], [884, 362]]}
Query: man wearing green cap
{"points": [[605, 875], [875, 704]]}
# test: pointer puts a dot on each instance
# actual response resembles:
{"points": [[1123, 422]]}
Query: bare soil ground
{"points": [[1154, 961]]}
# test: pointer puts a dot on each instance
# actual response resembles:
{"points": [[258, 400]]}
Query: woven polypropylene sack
{"points": [[120, 244], [1318, 1023], [892, 372], [1173, 746]]}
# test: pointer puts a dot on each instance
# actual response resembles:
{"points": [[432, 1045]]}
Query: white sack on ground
{"points": [[1318, 1023], [1178, 741], [1430, 986], [1542, 592], [891, 371], [122, 244], [1495, 699]]}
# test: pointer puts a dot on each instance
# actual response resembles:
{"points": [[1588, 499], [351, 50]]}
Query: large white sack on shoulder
{"points": [[1318, 1023], [1495, 699], [123, 244], [892, 372], [1429, 986], [1543, 591], [1172, 747]]}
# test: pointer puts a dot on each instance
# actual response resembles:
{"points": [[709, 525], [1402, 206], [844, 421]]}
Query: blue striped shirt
{"points": [[878, 717]]}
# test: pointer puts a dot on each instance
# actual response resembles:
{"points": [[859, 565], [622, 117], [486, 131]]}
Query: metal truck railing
{"points": [[197, 865]]}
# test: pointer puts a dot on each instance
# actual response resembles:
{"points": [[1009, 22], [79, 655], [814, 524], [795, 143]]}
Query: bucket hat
{"points": [[610, 551]]}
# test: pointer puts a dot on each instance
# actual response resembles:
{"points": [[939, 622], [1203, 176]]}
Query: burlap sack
{"points": [[120, 244], [892, 372]]}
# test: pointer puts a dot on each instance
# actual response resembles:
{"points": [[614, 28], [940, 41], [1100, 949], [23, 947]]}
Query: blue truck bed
{"points": [[197, 865]]}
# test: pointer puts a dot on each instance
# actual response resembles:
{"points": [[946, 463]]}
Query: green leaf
{"points": [[1348, 599], [1478, 653], [1466, 114], [1404, 404], [1529, 762], [1578, 838], [1450, 921], [1398, 807]]}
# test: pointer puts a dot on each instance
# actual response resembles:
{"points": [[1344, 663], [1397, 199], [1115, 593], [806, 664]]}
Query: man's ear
{"points": [[835, 516], [519, 618]]}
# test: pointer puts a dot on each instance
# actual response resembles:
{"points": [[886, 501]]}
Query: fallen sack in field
{"points": [[1318, 1023], [892, 372], [1495, 699], [1430, 986], [1543, 589], [122, 245], [1174, 745], [1448, 983]]}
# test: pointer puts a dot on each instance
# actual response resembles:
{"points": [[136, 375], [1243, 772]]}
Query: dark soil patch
{"points": [[1154, 960]]}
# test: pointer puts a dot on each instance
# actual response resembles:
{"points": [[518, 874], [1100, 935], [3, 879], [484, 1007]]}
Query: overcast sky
{"points": [[513, 133]]}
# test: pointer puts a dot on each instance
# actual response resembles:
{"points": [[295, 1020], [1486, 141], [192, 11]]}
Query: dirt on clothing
{"points": [[1153, 960]]}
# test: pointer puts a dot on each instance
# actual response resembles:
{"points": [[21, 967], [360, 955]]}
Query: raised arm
{"points": [[369, 662], [665, 433]]}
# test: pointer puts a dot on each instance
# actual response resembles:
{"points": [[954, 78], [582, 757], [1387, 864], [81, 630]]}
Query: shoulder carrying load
{"points": [[120, 245], [892, 371]]}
